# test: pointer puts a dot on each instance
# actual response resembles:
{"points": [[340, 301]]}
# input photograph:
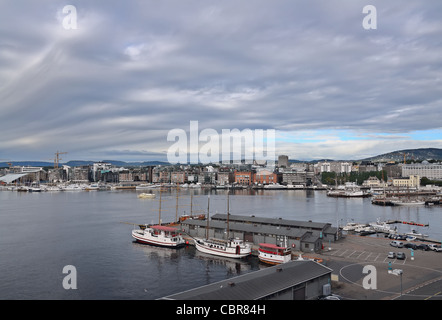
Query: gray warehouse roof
{"points": [[273, 221], [256, 285], [248, 227]]}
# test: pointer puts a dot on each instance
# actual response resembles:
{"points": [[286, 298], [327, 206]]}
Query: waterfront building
{"points": [[178, 177], [305, 236], [413, 181], [294, 280], [297, 177], [432, 171], [243, 177], [374, 182], [225, 177], [266, 177]]}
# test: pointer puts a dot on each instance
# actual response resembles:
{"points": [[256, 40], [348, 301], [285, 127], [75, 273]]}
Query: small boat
{"points": [[408, 203], [273, 254], [73, 187], [233, 248], [146, 196], [92, 187], [145, 186], [413, 233], [363, 228], [381, 227], [53, 188], [158, 235], [351, 226]]}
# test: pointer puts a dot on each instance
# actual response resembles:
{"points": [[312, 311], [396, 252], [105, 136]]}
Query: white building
{"points": [[411, 182], [432, 171]]}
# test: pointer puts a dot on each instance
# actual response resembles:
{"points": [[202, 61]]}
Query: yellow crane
{"points": [[57, 158]]}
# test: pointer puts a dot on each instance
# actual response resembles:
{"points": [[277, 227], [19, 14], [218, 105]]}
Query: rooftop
{"points": [[256, 285], [273, 221]]}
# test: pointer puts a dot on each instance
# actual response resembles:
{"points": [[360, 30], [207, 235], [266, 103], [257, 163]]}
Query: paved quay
{"points": [[421, 274]]}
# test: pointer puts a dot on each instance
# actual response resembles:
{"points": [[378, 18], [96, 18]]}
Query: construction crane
{"points": [[57, 158]]}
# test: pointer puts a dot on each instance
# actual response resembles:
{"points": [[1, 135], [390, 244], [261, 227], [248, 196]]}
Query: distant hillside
{"points": [[410, 154]]}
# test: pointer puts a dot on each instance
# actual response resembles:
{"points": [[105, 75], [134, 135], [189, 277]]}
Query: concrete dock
{"points": [[422, 272]]}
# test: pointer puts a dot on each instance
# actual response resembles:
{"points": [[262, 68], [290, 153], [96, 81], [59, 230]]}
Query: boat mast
{"points": [[191, 203], [207, 226], [228, 213], [159, 210], [176, 213]]}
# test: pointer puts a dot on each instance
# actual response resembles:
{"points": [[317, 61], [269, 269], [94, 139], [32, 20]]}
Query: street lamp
{"points": [[398, 272]]}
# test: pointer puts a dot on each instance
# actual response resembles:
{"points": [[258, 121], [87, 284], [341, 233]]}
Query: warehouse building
{"points": [[294, 280], [299, 235]]}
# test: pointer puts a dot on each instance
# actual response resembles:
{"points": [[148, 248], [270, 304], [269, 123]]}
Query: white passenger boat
{"points": [[145, 186], [233, 248], [382, 227], [273, 254], [158, 235]]}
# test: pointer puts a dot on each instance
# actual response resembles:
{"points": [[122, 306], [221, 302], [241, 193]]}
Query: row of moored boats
{"points": [[168, 236]]}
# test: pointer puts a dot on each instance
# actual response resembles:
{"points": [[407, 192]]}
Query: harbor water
{"points": [[41, 233]]}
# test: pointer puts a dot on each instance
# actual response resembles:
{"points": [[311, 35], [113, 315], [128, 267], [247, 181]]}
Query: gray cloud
{"points": [[136, 69]]}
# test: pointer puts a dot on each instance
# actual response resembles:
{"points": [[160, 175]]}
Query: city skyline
{"points": [[128, 73]]}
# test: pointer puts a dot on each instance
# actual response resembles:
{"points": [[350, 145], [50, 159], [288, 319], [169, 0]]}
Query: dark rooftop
{"points": [[273, 221], [258, 284]]}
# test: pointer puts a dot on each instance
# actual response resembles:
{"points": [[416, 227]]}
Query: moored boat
{"points": [[408, 203], [146, 195], [273, 254], [233, 248], [158, 235]]}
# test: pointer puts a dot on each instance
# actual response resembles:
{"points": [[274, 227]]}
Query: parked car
{"points": [[400, 256], [391, 255], [435, 247], [423, 247], [330, 297], [397, 244], [410, 246]]}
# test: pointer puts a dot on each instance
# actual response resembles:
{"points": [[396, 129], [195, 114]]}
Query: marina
{"points": [[105, 252]]}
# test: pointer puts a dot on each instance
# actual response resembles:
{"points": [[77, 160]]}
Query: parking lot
{"points": [[421, 278]]}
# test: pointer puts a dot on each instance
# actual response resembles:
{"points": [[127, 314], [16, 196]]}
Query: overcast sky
{"points": [[134, 70]]}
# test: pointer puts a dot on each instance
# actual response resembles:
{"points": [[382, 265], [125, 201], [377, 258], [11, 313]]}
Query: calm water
{"points": [[40, 233]]}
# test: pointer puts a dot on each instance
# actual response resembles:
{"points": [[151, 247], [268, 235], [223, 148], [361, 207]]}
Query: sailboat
{"points": [[232, 248], [158, 235]]}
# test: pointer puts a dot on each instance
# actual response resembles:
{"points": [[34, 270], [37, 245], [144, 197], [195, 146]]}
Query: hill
{"points": [[410, 154]]}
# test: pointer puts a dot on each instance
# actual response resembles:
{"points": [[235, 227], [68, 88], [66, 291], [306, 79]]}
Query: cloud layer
{"points": [[134, 70]]}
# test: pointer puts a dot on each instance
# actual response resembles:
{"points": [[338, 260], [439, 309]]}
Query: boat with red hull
{"points": [[273, 254]]}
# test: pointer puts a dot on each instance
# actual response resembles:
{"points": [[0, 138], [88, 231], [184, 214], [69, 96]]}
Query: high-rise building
{"points": [[283, 161]]}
